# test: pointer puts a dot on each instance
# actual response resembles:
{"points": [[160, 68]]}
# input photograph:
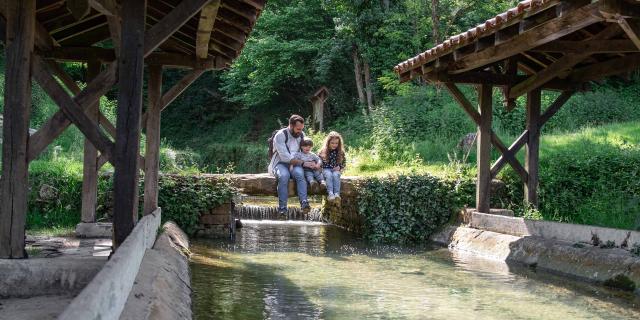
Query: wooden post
{"points": [[127, 148], [90, 167], [532, 147], [21, 22], [152, 157], [484, 148]]}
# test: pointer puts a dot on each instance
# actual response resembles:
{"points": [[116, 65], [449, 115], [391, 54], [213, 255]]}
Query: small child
{"points": [[312, 164], [333, 163]]}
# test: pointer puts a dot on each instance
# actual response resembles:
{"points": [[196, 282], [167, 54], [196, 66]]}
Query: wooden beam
{"points": [[105, 7], [476, 117], [162, 30], [589, 46], [510, 152], [532, 148], [605, 69], [179, 87], [483, 184], [130, 65], [258, 4], [560, 67], [71, 109], [152, 163], [554, 107], [50, 130], [541, 34], [632, 29], [90, 160], [205, 27], [14, 185], [619, 8], [79, 8]]}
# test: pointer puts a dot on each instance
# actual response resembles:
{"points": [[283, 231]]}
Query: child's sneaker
{"points": [[323, 183], [282, 214], [331, 197], [305, 206]]}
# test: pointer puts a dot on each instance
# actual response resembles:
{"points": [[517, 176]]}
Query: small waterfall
{"points": [[271, 213]]}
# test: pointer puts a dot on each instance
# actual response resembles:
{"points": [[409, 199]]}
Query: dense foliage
{"points": [[183, 198], [405, 209]]}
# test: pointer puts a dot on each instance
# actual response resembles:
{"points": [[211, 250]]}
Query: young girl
{"points": [[333, 163]]}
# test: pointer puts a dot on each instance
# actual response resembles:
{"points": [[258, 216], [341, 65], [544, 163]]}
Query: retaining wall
{"points": [[105, 296]]}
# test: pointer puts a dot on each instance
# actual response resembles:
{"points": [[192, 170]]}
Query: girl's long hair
{"points": [[324, 152]]}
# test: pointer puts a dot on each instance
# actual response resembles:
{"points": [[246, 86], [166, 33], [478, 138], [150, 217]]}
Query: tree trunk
{"points": [[367, 81], [435, 21], [358, 73], [385, 5]]}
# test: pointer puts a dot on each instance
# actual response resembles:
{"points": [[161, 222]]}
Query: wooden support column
{"points": [[21, 22], [127, 148], [532, 147], [152, 157], [484, 148], [90, 166]]}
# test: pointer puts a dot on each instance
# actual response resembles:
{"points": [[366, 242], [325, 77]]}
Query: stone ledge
{"points": [[162, 287], [585, 262], [105, 296]]}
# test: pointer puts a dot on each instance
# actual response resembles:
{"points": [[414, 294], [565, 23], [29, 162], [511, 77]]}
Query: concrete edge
{"points": [[105, 296], [162, 288], [47, 276], [590, 263], [574, 233]]}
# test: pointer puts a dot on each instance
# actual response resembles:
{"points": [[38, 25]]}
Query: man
{"points": [[286, 143]]}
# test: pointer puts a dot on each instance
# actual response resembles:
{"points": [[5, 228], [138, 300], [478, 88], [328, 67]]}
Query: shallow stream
{"points": [[306, 270]]}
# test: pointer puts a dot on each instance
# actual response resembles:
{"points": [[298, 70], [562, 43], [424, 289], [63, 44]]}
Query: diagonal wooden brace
{"points": [[495, 140], [510, 153], [59, 121], [72, 110]]}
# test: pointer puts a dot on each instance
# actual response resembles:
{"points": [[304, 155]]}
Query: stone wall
{"points": [[217, 222]]}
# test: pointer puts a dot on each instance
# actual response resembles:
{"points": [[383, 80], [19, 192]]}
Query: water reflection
{"points": [[313, 271]]}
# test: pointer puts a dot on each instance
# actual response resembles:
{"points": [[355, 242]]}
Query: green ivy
{"points": [[404, 209], [183, 198]]}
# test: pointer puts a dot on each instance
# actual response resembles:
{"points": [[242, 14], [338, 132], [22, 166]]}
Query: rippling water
{"points": [[285, 270]]}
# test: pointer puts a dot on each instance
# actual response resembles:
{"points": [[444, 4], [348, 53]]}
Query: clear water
{"points": [[285, 270]]}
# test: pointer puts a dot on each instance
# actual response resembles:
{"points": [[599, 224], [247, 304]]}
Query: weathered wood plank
{"points": [[546, 32], [511, 151], [171, 22], [106, 7], [554, 107], [532, 147], [632, 29], [130, 66], [604, 69], [560, 67], [205, 27], [589, 46], [59, 122], [71, 109], [483, 185], [14, 184], [79, 8], [90, 160], [152, 163]]}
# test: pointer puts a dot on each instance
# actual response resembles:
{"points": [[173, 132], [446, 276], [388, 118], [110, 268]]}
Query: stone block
{"points": [[215, 219], [225, 208]]}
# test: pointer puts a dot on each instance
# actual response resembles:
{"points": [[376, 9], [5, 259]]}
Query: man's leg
{"points": [[283, 175], [301, 183]]}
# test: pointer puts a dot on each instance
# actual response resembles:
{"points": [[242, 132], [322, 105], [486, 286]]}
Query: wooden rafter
{"points": [[546, 32], [560, 67], [588, 46], [205, 27], [632, 29], [162, 30], [605, 69]]}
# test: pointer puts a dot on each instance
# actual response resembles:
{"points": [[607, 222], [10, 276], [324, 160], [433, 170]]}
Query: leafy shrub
{"points": [[183, 198], [404, 209]]}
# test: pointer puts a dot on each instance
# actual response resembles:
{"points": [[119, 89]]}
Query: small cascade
{"points": [[253, 212]]}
